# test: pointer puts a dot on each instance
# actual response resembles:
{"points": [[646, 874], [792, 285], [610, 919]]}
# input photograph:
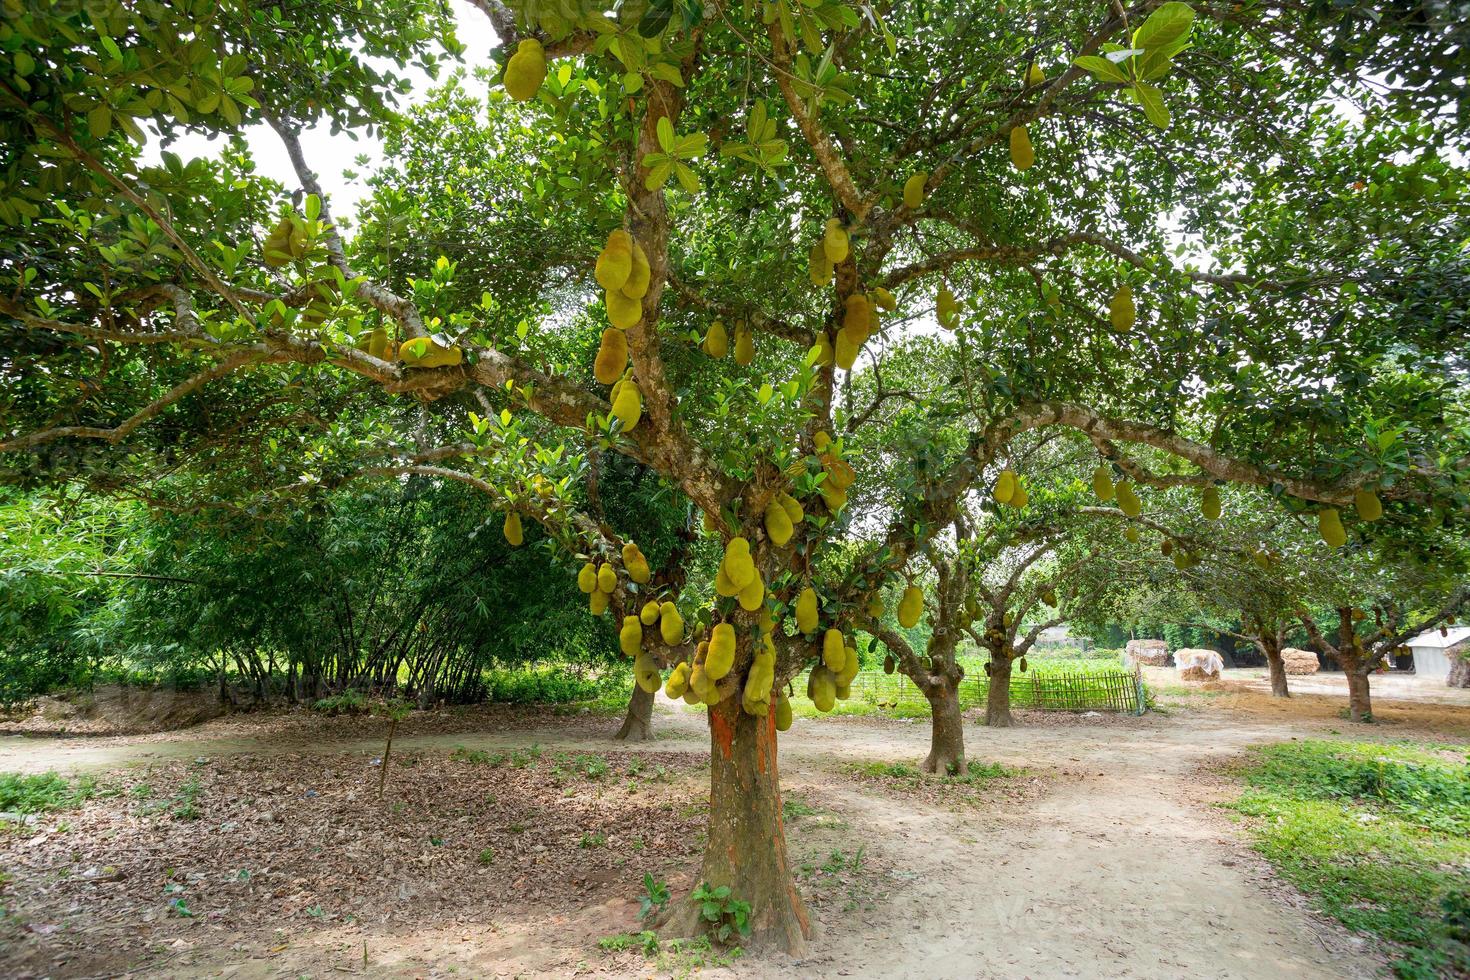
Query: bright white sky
{"points": [[329, 155]]}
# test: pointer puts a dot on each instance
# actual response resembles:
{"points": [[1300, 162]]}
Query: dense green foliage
{"points": [[1379, 834]]}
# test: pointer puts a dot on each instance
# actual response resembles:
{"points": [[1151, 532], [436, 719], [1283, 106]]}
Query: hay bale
{"points": [[1198, 665], [1299, 662], [1150, 653]]}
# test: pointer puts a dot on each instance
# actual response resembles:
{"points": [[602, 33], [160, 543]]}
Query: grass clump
{"points": [[1379, 835], [43, 792]]}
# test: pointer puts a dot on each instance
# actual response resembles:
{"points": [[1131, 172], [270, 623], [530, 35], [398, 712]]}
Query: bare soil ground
{"points": [[1104, 857]]}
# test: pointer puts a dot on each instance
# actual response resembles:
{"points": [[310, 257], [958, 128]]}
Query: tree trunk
{"points": [[1360, 706], [947, 732], [638, 722], [746, 849], [1459, 675], [1278, 673], [998, 701]]}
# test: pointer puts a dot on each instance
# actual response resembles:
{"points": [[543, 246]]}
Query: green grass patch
{"points": [[43, 793], [1379, 835], [975, 773]]}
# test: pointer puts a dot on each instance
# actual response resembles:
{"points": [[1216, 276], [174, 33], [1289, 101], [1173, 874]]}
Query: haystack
{"points": [[1198, 665], [1299, 662], [1150, 653]]}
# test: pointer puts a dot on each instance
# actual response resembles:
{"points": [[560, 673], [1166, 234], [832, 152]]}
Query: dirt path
{"points": [[1116, 865]]}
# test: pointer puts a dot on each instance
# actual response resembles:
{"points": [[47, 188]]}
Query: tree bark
{"points": [[1278, 673], [947, 727], [746, 848], [1360, 706], [998, 700], [1459, 675], [638, 722]]}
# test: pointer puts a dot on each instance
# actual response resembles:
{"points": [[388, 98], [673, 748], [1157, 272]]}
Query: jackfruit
{"points": [[739, 567], [845, 350], [1181, 559], [753, 595], [778, 524], [1121, 311], [512, 529], [700, 684], [839, 472], [645, 672], [833, 496], [1128, 501], [277, 249], [822, 688], [913, 190], [783, 714], [597, 602], [622, 311], [1019, 497], [1102, 484], [826, 356], [587, 578], [911, 607], [607, 579], [636, 564], [1209, 504], [834, 652], [1166, 547], [947, 309], [615, 261], [670, 624], [1005, 487], [723, 585], [628, 406], [792, 506], [648, 615], [1034, 75], [1329, 525], [1131, 533], [1370, 508], [1049, 597], [806, 610], [834, 241], [424, 352], [612, 357], [875, 607], [884, 299], [636, 286], [678, 682], [716, 342], [721, 655], [1023, 665], [744, 345], [889, 665], [525, 71], [821, 440], [819, 267], [857, 318], [1022, 155]]}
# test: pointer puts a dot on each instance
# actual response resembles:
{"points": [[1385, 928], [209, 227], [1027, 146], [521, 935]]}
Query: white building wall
{"points": [[1430, 662]]}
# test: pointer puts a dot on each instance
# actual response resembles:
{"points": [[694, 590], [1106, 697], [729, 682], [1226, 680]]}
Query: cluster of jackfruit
{"points": [[627, 403], [599, 582], [525, 71], [286, 242], [737, 576], [1009, 490], [783, 514], [378, 344], [717, 342], [666, 615], [1182, 557], [830, 251], [840, 475], [623, 272], [831, 680], [911, 607], [1121, 311]]}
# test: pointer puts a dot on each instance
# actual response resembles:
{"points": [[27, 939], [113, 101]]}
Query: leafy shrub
{"points": [[43, 792], [349, 702], [551, 684]]}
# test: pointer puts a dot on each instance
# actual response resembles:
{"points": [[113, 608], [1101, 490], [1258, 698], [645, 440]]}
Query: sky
{"points": [[329, 154]]}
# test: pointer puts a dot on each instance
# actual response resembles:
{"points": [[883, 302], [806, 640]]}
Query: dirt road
{"points": [[1114, 863]]}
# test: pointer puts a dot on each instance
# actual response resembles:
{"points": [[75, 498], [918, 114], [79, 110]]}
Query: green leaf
{"points": [[1165, 26], [1152, 101], [1102, 69], [665, 131], [99, 121], [686, 178], [667, 72], [24, 63]]}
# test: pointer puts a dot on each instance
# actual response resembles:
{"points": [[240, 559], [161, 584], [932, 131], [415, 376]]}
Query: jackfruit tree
{"points": [[689, 234]]}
